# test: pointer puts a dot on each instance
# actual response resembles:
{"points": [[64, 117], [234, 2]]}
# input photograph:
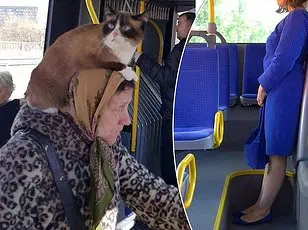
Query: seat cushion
{"points": [[193, 133]]}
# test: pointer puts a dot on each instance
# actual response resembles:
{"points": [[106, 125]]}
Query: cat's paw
{"points": [[128, 74]]}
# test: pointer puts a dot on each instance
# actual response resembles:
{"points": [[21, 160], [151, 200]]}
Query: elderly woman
{"points": [[8, 109], [99, 169]]}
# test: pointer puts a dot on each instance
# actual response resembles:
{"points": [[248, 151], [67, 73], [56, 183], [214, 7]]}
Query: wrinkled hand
{"points": [[261, 96], [129, 74]]}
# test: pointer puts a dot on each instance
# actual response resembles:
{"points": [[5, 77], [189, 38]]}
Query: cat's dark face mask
{"points": [[122, 32], [123, 24]]}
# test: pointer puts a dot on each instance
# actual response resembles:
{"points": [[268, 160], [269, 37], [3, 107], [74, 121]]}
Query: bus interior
{"points": [[60, 16], [214, 113]]}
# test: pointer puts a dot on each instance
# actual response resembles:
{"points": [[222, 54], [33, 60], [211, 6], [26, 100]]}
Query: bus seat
{"points": [[196, 100], [253, 68], [197, 45], [233, 74], [224, 82], [233, 70]]}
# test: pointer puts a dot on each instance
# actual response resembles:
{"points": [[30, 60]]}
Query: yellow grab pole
{"points": [[136, 93], [161, 41], [211, 27], [211, 11], [92, 12]]}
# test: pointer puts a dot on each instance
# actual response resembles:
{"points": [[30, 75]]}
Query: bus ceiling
{"points": [[65, 15], [178, 5]]}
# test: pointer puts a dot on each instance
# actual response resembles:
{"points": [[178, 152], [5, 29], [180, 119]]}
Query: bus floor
{"points": [[214, 165]]}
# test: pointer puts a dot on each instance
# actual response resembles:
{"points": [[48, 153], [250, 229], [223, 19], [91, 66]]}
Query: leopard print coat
{"points": [[29, 199]]}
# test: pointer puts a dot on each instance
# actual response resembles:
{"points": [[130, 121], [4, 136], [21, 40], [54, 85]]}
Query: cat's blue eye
{"points": [[126, 28], [111, 26]]}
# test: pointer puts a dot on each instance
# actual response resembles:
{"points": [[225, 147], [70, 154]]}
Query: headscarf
{"points": [[91, 92]]}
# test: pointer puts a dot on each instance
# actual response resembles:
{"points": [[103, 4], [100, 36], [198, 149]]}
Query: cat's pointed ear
{"points": [[111, 13], [141, 17]]}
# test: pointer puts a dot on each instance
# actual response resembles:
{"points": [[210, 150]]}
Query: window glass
{"points": [[22, 26], [240, 21]]}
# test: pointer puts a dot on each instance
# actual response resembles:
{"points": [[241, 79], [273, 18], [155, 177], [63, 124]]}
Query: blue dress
{"points": [[283, 81]]}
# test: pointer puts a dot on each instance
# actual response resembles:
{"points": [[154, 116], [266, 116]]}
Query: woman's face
{"points": [[4, 95], [115, 116]]}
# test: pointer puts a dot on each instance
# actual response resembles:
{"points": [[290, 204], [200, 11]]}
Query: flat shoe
{"points": [[238, 221]]}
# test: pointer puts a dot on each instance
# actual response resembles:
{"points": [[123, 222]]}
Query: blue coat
{"points": [[283, 81]]}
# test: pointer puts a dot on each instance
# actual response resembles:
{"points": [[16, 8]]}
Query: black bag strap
{"points": [[72, 211]]}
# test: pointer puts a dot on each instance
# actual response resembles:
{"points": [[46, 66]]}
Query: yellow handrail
{"points": [[136, 93], [189, 161], [211, 11], [161, 41], [218, 129], [91, 11]]}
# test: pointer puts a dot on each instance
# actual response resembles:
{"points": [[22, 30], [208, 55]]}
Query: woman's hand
{"points": [[261, 95]]}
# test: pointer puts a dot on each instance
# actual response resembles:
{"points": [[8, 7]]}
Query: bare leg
{"points": [[255, 205], [272, 181]]}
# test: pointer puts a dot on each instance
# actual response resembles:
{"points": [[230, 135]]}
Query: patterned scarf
{"points": [[91, 92]]}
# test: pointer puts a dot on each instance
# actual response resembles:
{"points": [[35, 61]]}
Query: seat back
{"points": [[233, 70], [197, 45], [224, 82], [253, 67], [196, 100]]}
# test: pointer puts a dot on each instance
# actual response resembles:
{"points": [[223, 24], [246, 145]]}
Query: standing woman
{"points": [[282, 85]]}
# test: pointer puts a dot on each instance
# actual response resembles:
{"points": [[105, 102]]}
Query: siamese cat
{"points": [[109, 45]]}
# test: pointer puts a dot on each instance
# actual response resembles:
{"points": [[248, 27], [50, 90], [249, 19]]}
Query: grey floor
{"points": [[213, 166]]}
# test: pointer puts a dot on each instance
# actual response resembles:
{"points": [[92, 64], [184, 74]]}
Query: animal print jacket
{"points": [[29, 199]]}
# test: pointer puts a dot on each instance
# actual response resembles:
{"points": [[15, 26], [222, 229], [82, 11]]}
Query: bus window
{"points": [[22, 26], [241, 21]]}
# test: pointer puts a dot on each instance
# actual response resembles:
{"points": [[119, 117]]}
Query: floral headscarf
{"points": [[91, 91]]}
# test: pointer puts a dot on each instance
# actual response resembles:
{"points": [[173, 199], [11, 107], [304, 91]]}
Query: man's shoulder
{"points": [[181, 44], [178, 48]]}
